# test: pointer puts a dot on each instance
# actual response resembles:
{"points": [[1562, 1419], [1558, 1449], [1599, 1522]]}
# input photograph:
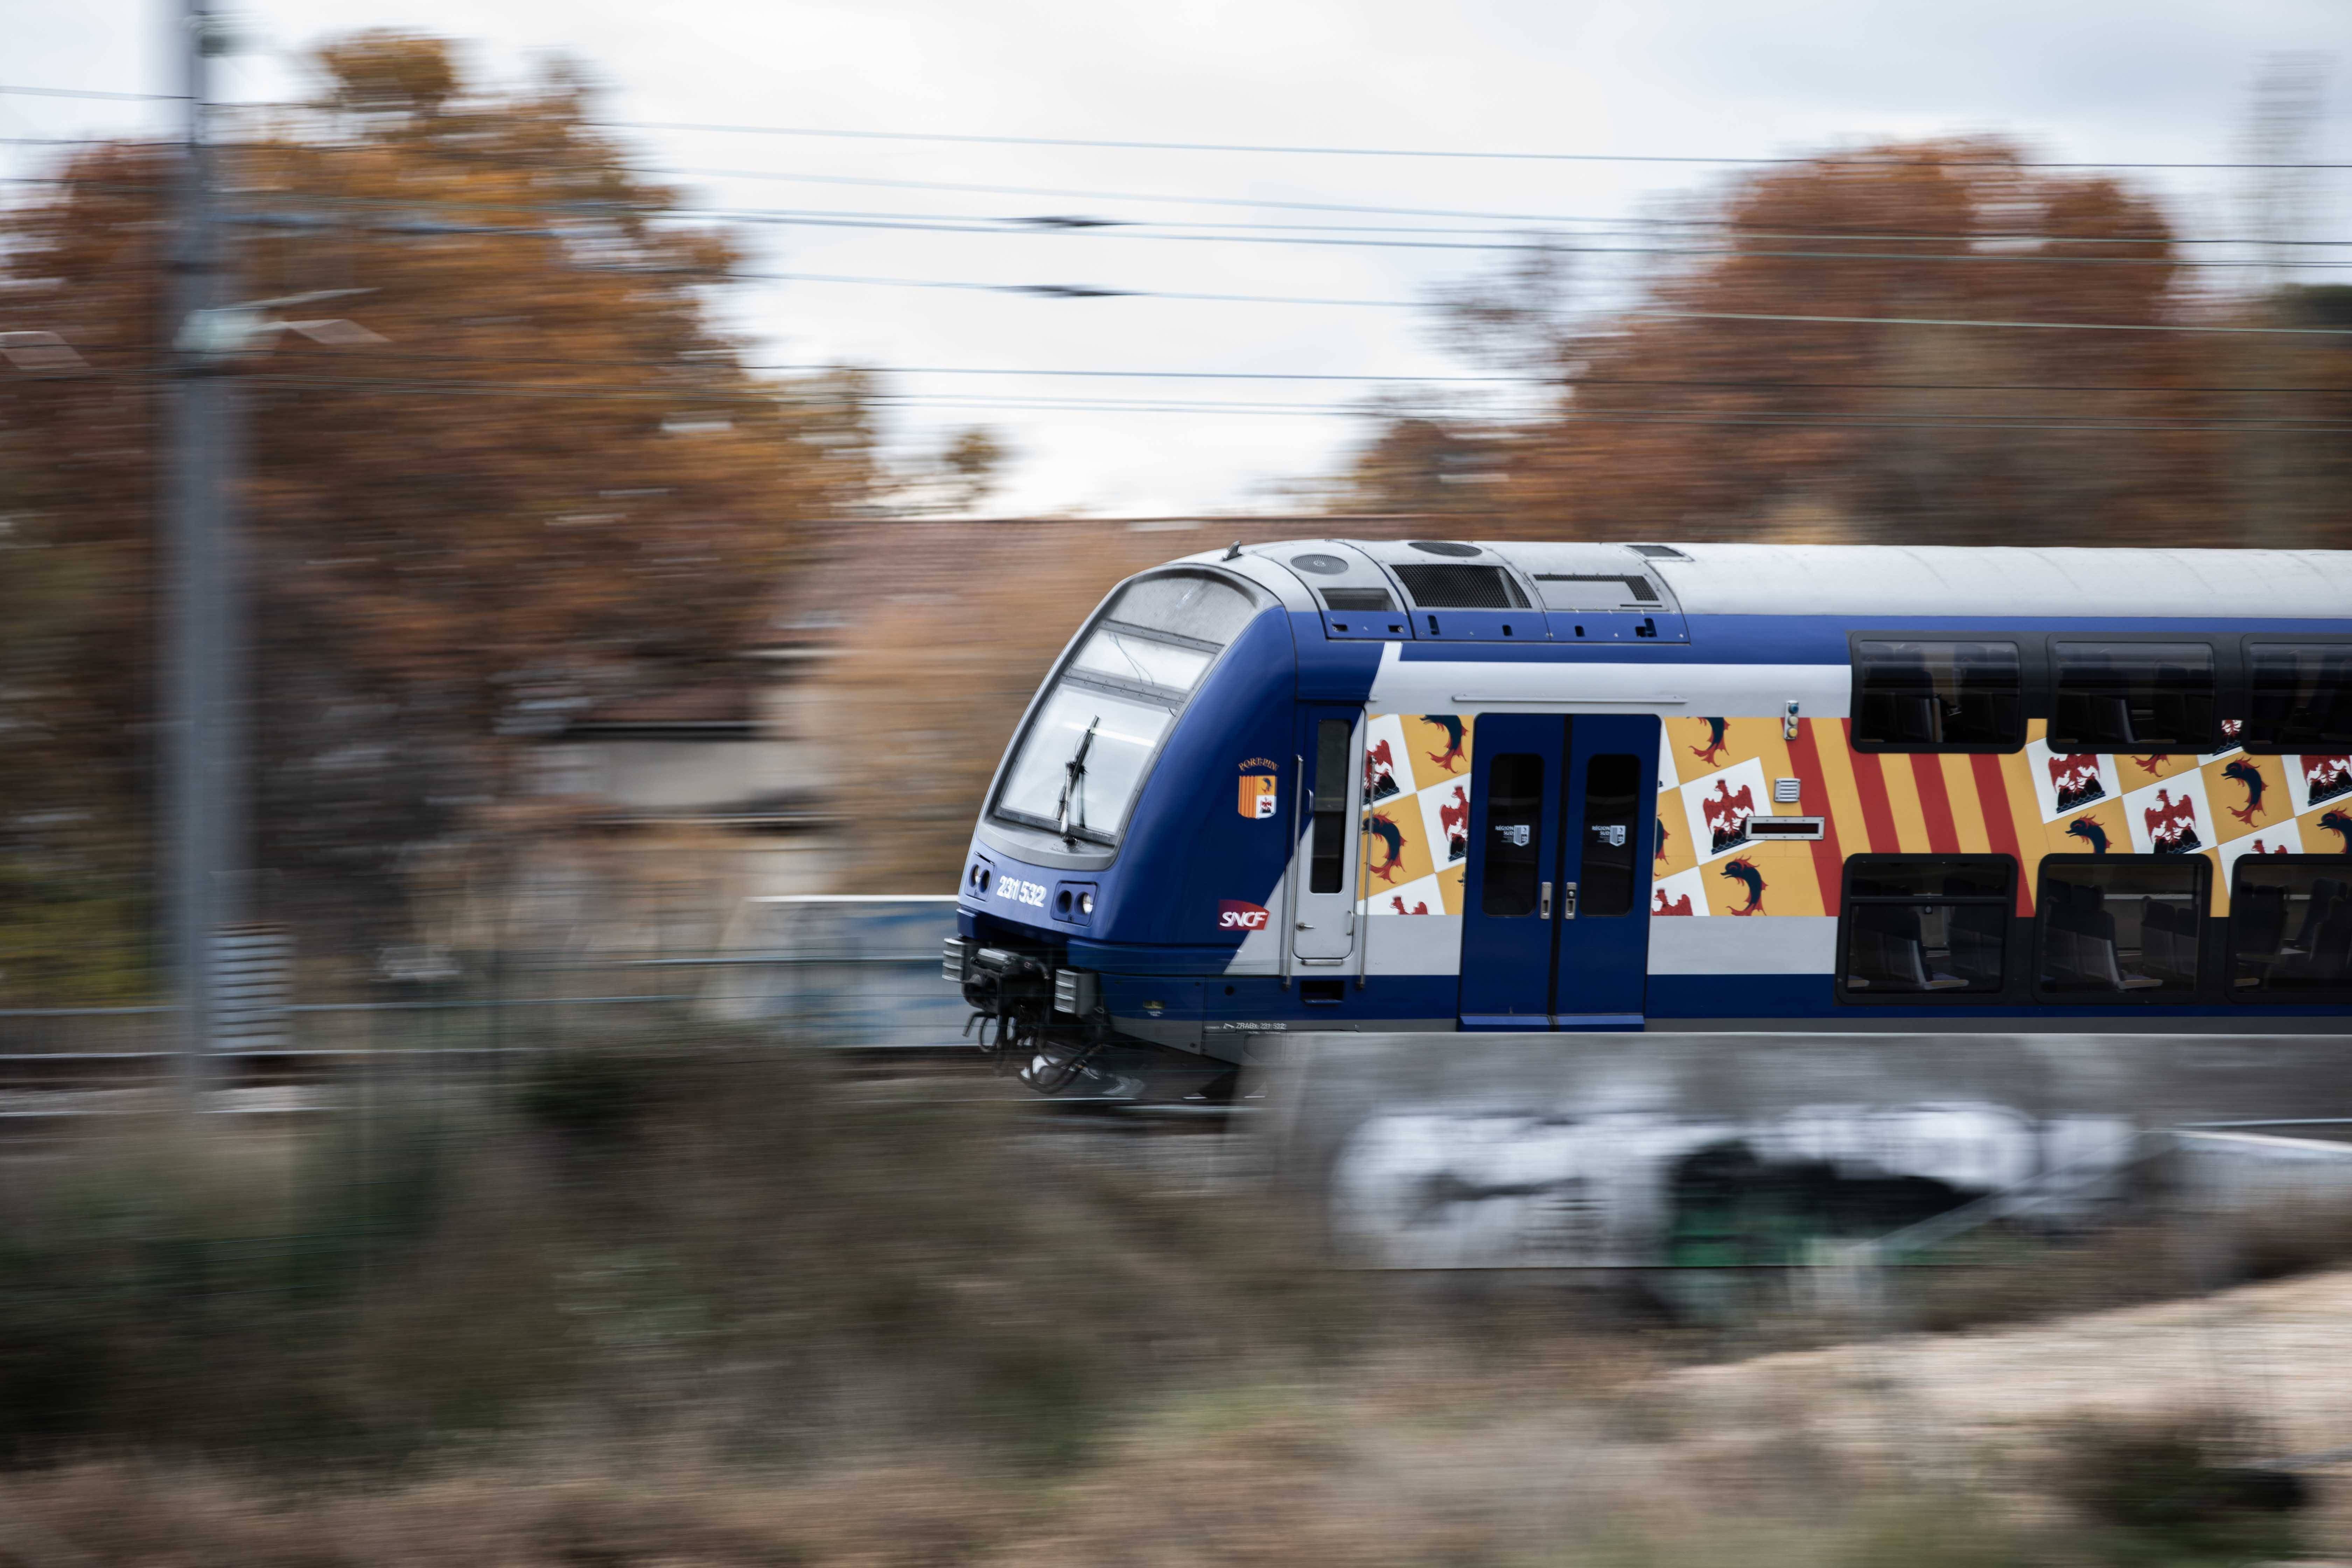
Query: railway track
{"points": [[52, 1090]]}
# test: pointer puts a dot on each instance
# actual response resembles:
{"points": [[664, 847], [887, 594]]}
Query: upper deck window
{"points": [[2301, 698], [1938, 697], [2133, 696], [1079, 767]]}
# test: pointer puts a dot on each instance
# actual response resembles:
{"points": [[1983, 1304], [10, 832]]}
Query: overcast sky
{"points": [[2095, 81]]}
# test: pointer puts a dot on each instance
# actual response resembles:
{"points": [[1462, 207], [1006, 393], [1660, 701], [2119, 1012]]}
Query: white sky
{"points": [[2139, 80]]}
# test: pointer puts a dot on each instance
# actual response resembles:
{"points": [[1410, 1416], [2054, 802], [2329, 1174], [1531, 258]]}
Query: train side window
{"points": [[1612, 815], [2133, 697], [1938, 697], [1515, 787], [2119, 925], [1927, 923], [2291, 927], [1327, 856], [2301, 697]]}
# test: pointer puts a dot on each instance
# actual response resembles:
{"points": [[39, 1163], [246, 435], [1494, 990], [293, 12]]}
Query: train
{"points": [[1436, 785]]}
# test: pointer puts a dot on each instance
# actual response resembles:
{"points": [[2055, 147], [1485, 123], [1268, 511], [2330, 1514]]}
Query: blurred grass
{"points": [[700, 1300], [632, 1236]]}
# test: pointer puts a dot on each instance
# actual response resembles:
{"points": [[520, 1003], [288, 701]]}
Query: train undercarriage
{"points": [[1045, 1025]]}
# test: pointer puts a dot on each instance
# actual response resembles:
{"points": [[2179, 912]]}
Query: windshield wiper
{"points": [[1073, 774]]}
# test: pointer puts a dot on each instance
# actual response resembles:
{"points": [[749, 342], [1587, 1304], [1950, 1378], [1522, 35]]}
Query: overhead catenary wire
{"points": [[581, 206], [1575, 246], [721, 359], [1370, 236], [1100, 291], [1470, 155], [1025, 225], [685, 402], [968, 138], [1058, 192], [18, 90]]}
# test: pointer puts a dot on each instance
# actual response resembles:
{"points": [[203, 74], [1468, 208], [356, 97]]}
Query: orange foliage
{"points": [[554, 480], [1684, 427]]}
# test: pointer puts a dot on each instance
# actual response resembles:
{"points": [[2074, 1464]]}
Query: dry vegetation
{"points": [[705, 1304], [931, 686]]}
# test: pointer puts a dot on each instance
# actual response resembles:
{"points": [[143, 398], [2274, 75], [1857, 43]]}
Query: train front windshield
{"points": [[1084, 756]]}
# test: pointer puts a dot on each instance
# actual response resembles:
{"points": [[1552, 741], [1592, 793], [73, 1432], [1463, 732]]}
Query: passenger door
{"points": [[1509, 887], [1323, 860], [1556, 901], [1602, 928]]}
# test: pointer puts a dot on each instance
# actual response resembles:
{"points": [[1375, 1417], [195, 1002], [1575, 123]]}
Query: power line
{"points": [[1131, 231], [713, 360], [1535, 238], [1949, 322], [86, 92], [1094, 291], [1022, 226], [688, 403], [1271, 204], [1069, 290], [1317, 151], [1606, 225], [685, 401], [1030, 224], [969, 138]]}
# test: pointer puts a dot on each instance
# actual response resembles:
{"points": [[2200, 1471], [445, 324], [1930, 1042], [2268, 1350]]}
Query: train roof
{"points": [[1868, 579]]}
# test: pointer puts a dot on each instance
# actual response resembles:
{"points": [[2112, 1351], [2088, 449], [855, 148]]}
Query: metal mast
{"points": [[206, 808]]}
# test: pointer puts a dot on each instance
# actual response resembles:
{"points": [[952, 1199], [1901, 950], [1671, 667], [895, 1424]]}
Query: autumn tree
{"points": [[533, 473], [1705, 410]]}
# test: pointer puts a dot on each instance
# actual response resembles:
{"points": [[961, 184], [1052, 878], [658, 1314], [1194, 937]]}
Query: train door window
{"points": [[2301, 697], [1612, 818], [1938, 697], [1515, 789], [1925, 924], [2120, 925], [1327, 865], [2291, 927], [2133, 697]]}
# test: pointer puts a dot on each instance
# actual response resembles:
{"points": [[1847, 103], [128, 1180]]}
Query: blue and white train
{"points": [[1355, 786]]}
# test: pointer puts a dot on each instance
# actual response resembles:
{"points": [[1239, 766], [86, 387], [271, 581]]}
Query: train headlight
{"points": [[1086, 903]]}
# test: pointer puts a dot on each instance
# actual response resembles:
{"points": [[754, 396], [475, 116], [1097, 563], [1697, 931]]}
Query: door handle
{"points": [[1568, 901], [1545, 912]]}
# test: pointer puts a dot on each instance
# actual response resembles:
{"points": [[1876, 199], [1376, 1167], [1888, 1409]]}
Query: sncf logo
{"points": [[1234, 915]]}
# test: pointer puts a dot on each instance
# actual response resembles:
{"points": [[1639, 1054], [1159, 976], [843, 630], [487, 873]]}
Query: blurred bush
{"points": [[2168, 1491], [707, 1235]]}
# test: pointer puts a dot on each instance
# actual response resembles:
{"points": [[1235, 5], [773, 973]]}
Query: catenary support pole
{"points": [[203, 818]]}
